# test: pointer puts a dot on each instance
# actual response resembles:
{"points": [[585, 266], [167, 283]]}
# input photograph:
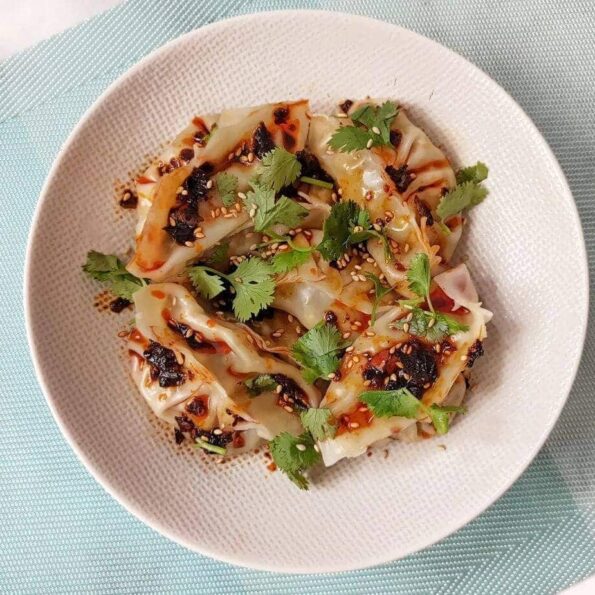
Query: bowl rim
{"points": [[79, 450]]}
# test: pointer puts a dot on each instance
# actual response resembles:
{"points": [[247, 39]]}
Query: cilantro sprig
{"points": [[371, 129], [260, 384], [252, 282], [402, 403], [294, 454], [266, 211], [346, 225], [317, 422], [380, 290], [318, 351], [227, 187], [433, 325], [468, 192], [109, 269]]}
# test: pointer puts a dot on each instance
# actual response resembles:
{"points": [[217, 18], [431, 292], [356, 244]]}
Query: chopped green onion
{"points": [[218, 450], [315, 182]]}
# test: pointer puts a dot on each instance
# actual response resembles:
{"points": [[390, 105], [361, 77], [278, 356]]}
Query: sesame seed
{"points": [[361, 277], [367, 382], [369, 144], [301, 447], [237, 207], [179, 190], [400, 365], [279, 389], [217, 212], [209, 184], [243, 158], [463, 358], [350, 348], [334, 195], [179, 357], [290, 318], [350, 364], [241, 195], [212, 214], [375, 130], [189, 244], [298, 330], [251, 157], [406, 376], [357, 267], [340, 115], [356, 359], [391, 350], [346, 336], [393, 376], [316, 448], [409, 317], [278, 333], [252, 212], [427, 385], [331, 376], [370, 334], [354, 424], [230, 156], [340, 191], [172, 221], [253, 246], [406, 248], [377, 227], [239, 152], [406, 327], [217, 432], [184, 192], [431, 323], [437, 348], [288, 409], [357, 323]]}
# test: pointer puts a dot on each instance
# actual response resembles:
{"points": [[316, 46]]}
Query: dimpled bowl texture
{"points": [[523, 244]]}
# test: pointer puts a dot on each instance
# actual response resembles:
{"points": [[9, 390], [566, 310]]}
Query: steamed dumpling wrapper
{"points": [[400, 187], [395, 358], [186, 215], [189, 364]]}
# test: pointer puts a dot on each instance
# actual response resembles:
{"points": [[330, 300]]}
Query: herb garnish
{"points": [[402, 403], [372, 128], [468, 192], [318, 351], [262, 383], [279, 168], [293, 455], [380, 290], [227, 187], [109, 269], [252, 282], [316, 421]]}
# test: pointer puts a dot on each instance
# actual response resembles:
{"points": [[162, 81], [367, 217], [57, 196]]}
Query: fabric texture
{"points": [[62, 533]]}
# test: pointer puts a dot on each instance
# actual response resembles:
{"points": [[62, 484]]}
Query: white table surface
{"points": [[53, 16]]}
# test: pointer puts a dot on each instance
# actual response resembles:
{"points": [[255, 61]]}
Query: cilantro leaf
{"points": [[279, 168], [418, 275], [219, 254], [109, 269], [227, 187], [207, 284], [402, 403], [380, 290], [474, 173], [372, 128], [283, 262], [349, 139], [316, 421], [466, 194], [252, 282], [254, 287], [293, 455], [389, 403], [440, 416], [267, 212], [260, 384], [337, 229], [435, 326], [318, 351]]}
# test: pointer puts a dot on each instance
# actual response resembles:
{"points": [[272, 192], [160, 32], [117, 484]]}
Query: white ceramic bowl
{"points": [[524, 246]]}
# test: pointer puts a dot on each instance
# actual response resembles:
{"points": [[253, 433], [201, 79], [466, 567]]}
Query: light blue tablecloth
{"points": [[60, 532]]}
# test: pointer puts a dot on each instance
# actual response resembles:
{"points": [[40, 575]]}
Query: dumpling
{"points": [[181, 212], [317, 291], [192, 370], [395, 358], [400, 186]]}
